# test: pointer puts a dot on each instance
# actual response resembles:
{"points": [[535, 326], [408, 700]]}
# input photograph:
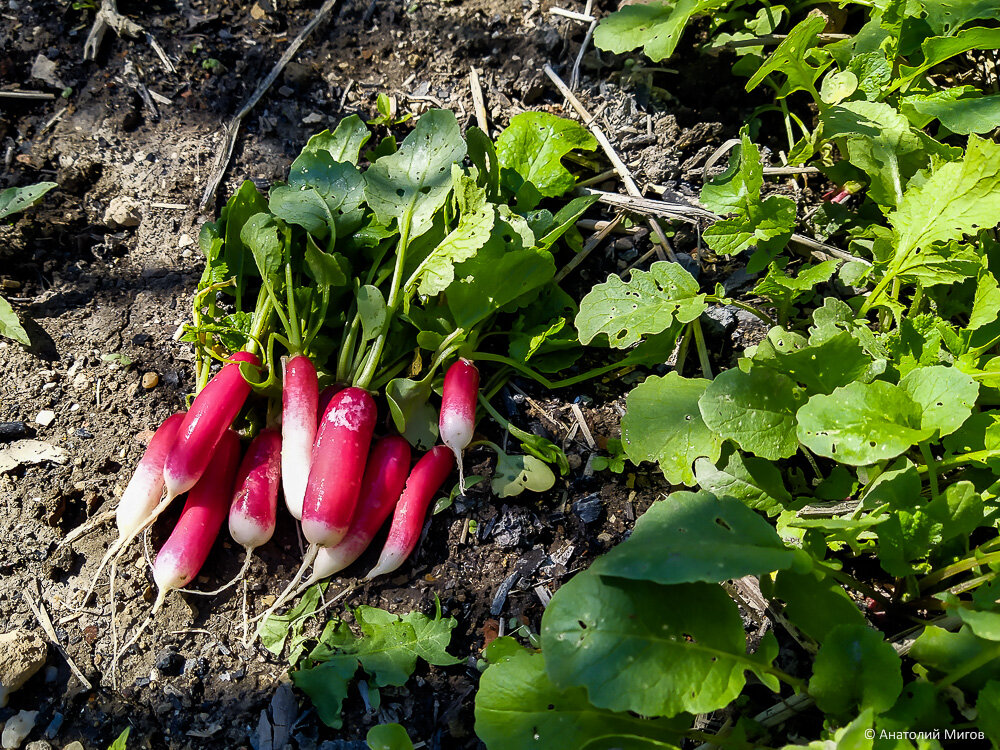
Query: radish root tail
{"points": [[290, 588]]}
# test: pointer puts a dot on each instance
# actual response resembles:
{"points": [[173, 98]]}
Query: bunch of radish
{"points": [[337, 479]]}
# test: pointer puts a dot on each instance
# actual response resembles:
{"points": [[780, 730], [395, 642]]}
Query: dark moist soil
{"points": [[102, 303]]}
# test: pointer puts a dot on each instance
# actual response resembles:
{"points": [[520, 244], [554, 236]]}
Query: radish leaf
{"points": [[612, 635], [693, 536], [662, 423], [10, 326], [657, 28], [533, 146], [15, 199], [855, 669]]}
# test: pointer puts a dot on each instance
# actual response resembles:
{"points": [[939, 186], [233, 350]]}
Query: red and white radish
{"points": [[143, 492], [145, 489], [326, 396], [339, 455], [252, 513], [299, 399], [408, 520], [385, 476], [210, 415], [338, 464], [187, 548], [457, 421]]}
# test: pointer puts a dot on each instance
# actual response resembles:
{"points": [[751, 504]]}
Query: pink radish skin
{"points": [[210, 415], [338, 464], [326, 396], [457, 422], [183, 554], [385, 475], [145, 487], [300, 396], [252, 512], [408, 520]]}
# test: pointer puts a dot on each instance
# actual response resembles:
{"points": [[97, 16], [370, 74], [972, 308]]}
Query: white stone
{"points": [[17, 728], [45, 417], [22, 653]]}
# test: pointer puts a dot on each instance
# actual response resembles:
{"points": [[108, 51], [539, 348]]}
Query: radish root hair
{"points": [[290, 588]]}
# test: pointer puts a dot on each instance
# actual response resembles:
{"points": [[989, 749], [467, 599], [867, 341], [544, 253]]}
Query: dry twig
{"points": [[478, 102], [109, 17], [38, 609], [609, 150]]}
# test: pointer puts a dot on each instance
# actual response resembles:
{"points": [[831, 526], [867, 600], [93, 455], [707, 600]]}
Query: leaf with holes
{"points": [[861, 423], [692, 537], [613, 637], [518, 706], [647, 304], [662, 423], [753, 481], [756, 409], [533, 146], [15, 199], [945, 394], [822, 368], [410, 185]]}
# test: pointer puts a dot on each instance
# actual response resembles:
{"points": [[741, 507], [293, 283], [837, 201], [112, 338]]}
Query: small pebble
{"points": [[12, 430], [17, 728], [150, 380], [45, 417], [623, 243]]}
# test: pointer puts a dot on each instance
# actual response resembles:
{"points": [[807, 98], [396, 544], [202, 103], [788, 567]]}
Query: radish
{"points": [[300, 394], [338, 463], [210, 415], [145, 489], [183, 554], [326, 396], [381, 487], [457, 422], [408, 520], [252, 512], [142, 494]]}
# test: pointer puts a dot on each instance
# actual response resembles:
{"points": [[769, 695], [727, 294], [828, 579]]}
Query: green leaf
{"points": [[276, 629], [789, 58], [10, 326], [327, 686], [15, 199], [938, 49], [261, 236], [504, 270], [534, 144], [988, 708], [691, 537], [411, 410], [740, 184], [413, 183], [861, 423], [958, 198], [756, 409], [986, 305], [343, 144], [824, 367], [388, 737], [657, 28], [947, 16], [245, 203], [985, 625], [121, 741], [321, 192], [881, 141], [946, 396], [785, 290], [816, 604], [766, 224], [945, 653], [614, 636], [648, 303], [372, 309], [753, 481], [949, 263], [475, 225], [518, 706], [483, 155], [515, 474], [976, 114], [565, 219], [662, 423], [855, 668], [326, 269]]}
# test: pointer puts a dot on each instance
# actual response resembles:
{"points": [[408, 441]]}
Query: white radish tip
{"points": [[387, 563]]}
